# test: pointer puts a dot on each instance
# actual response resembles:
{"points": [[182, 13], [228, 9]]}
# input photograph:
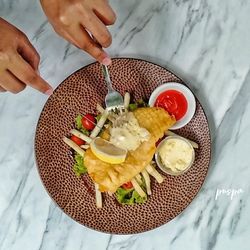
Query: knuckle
{"points": [[63, 20], [18, 89], [106, 40], [31, 78], [85, 46], [5, 56]]}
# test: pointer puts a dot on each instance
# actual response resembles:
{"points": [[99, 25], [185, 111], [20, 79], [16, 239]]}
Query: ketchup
{"points": [[174, 102]]}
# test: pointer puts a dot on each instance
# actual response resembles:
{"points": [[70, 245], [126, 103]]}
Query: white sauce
{"points": [[127, 133], [176, 154]]}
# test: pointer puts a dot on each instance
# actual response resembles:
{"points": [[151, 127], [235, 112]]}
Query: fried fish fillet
{"points": [[111, 176], [155, 120]]}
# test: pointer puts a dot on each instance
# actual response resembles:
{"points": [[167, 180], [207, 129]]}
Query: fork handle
{"points": [[107, 78]]}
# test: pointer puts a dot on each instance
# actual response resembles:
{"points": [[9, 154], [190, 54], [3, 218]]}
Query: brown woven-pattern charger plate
{"points": [[79, 94]]}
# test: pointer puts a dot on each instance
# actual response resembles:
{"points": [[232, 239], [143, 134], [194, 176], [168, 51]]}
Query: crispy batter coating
{"points": [[155, 120]]}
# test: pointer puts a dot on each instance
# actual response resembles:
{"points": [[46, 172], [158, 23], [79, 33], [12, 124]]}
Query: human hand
{"points": [[18, 62], [83, 23]]}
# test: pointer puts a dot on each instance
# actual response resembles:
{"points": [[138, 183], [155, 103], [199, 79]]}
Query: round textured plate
{"points": [[79, 94]]}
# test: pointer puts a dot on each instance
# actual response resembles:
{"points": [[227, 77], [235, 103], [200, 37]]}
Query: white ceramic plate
{"points": [[186, 92]]}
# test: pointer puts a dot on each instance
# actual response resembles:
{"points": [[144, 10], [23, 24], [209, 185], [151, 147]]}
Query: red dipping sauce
{"points": [[174, 102]]}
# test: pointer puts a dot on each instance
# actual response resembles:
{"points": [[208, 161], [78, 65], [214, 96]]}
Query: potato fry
{"points": [[138, 188], [85, 146], [152, 171], [138, 178], [147, 181], [99, 125], [81, 135], [98, 196], [74, 146], [126, 100]]}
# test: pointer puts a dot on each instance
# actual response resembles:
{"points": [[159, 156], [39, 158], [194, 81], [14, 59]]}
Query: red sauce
{"points": [[174, 102]]}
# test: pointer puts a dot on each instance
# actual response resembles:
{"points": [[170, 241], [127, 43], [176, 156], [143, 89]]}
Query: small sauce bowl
{"points": [[161, 164]]}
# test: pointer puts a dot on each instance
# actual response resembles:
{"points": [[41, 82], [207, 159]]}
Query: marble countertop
{"points": [[207, 43]]}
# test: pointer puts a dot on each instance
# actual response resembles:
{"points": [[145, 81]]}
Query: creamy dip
{"points": [[127, 133], [176, 154]]}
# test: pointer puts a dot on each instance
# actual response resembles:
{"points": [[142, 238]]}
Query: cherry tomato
{"points": [[77, 140], [174, 102], [127, 185], [88, 122]]}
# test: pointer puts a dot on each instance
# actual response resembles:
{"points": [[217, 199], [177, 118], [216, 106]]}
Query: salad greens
{"points": [[138, 104], [79, 167], [130, 196]]}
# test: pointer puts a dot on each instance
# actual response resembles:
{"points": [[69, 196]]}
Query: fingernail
{"points": [[106, 61], [49, 92]]}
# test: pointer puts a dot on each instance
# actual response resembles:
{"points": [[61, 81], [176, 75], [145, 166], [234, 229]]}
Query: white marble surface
{"points": [[207, 42]]}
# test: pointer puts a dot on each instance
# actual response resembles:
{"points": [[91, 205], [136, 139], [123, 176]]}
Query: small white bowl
{"points": [[188, 95], [168, 170]]}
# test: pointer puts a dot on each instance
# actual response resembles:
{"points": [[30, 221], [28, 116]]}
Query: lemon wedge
{"points": [[107, 152]]}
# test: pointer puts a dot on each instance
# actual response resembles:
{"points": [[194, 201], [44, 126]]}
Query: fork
{"points": [[114, 101]]}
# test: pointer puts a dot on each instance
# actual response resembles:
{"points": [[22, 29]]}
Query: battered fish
{"points": [[111, 176]]}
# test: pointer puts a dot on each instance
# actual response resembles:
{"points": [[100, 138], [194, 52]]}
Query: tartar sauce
{"points": [[176, 154], [127, 133]]}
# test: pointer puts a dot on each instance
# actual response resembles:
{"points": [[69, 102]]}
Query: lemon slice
{"points": [[107, 152]]}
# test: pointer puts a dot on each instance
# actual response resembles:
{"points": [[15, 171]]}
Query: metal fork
{"points": [[113, 100]]}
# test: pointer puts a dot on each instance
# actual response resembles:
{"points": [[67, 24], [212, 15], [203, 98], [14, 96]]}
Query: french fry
{"points": [[152, 171], [81, 135], [99, 108], [194, 144], [138, 188], [126, 100], [98, 196], [138, 178], [85, 146], [99, 125], [74, 146], [147, 181]]}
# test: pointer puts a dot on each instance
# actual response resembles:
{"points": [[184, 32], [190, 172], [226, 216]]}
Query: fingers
{"points": [[10, 83], [2, 89], [97, 28], [26, 74], [85, 42], [105, 13], [29, 53]]}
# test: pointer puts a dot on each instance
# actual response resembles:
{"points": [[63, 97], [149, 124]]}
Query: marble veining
{"points": [[207, 43]]}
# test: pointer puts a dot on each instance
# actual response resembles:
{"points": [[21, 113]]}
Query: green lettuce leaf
{"points": [[79, 167], [132, 106], [129, 196]]}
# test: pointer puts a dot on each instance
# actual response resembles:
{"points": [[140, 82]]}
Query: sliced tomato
{"points": [[77, 140], [127, 185], [88, 122]]}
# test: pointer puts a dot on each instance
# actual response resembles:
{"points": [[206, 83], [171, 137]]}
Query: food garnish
{"points": [[107, 152], [79, 167]]}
